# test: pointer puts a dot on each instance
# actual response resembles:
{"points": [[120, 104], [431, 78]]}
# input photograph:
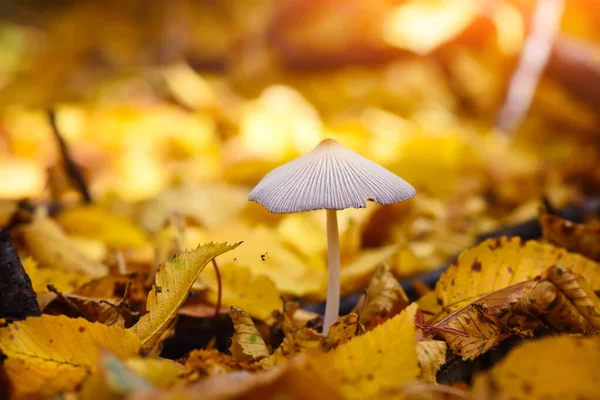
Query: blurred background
{"points": [[485, 106]]}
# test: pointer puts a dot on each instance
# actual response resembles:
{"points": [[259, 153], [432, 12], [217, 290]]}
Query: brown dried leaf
{"points": [[498, 263], [204, 363], [384, 297], [579, 238]]}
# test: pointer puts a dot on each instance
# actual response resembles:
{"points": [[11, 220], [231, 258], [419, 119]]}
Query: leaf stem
{"points": [[219, 288]]}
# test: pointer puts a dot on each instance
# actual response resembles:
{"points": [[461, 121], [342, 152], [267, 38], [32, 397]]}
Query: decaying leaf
{"points": [[48, 355], [562, 302], [203, 363], [247, 343], [92, 221], [432, 355], [255, 294], [497, 263], [564, 367], [108, 312], [368, 366], [578, 291], [172, 284], [384, 296], [51, 247], [345, 328], [578, 238]]}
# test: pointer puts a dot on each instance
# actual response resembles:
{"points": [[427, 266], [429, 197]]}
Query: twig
{"points": [[220, 288], [532, 62], [70, 166], [67, 301]]}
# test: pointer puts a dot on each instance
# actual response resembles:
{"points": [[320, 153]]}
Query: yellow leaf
{"points": [[51, 247], [63, 280], [432, 355], [255, 294], [376, 364], [384, 294], [564, 367], [92, 221], [498, 263], [247, 343], [172, 285], [161, 372], [48, 355]]}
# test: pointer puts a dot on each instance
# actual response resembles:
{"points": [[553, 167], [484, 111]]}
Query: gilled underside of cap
{"points": [[329, 177]]}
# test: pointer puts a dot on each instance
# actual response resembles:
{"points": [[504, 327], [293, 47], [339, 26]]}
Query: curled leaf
{"points": [[172, 285], [384, 296], [579, 238], [247, 343]]}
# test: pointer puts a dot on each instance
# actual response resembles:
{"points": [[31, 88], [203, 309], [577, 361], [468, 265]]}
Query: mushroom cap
{"points": [[331, 177]]}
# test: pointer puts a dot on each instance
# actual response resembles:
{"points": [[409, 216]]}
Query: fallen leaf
{"points": [[578, 238], [550, 368], [247, 343], [95, 222], [292, 380], [49, 355], [432, 355], [497, 263], [210, 204], [172, 284], [368, 366], [64, 281], [203, 363], [255, 294], [579, 292], [345, 328], [383, 296], [161, 372], [51, 247]]}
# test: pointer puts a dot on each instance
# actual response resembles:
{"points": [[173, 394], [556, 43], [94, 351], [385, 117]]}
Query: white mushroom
{"points": [[330, 177]]}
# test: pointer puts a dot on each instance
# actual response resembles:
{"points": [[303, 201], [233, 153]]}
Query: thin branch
{"points": [[532, 62], [70, 166]]}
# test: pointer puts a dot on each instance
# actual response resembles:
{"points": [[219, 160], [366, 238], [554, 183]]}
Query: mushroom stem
{"points": [[332, 306]]}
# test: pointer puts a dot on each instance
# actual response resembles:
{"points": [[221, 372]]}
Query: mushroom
{"points": [[330, 177]]}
